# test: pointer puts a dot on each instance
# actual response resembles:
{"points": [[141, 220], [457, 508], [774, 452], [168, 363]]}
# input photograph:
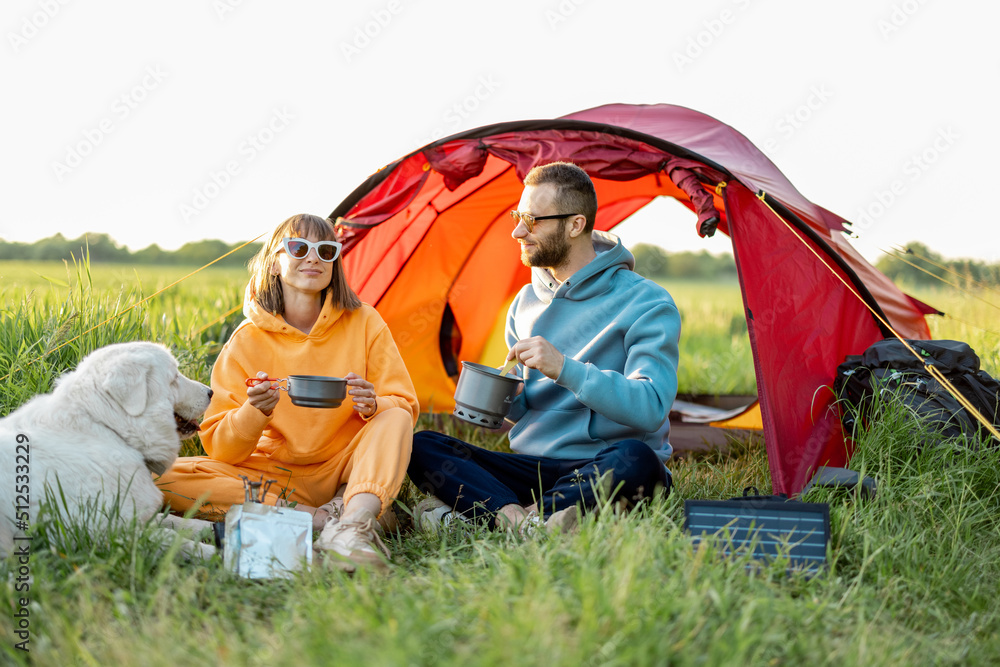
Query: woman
{"points": [[303, 318]]}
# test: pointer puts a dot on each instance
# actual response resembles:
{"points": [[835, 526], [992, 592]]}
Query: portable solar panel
{"points": [[766, 526]]}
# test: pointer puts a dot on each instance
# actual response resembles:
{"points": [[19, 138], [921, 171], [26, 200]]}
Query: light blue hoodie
{"points": [[619, 334]]}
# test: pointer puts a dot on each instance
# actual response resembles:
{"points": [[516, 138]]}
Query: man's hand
{"points": [[538, 353]]}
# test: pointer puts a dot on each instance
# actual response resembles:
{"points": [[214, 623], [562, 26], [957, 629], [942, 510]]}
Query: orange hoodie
{"points": [[340, 342]]}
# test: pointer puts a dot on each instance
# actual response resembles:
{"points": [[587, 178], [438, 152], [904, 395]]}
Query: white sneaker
{"points": [[355, 540], [531, 525], [433, 515], [332, 511]]}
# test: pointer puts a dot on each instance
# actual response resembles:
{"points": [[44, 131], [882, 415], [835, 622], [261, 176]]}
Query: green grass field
{"points": [[47, 279], [715, 356], [971, 316], [715, 350], [912, 580]]}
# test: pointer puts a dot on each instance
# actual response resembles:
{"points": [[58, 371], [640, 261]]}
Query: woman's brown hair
{"points": [[265, 286]]}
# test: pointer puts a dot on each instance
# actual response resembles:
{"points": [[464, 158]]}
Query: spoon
{"points": [[508, 366]]}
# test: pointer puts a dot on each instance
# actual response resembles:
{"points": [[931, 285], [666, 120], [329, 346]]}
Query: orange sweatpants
{"points": [[374, 461]]}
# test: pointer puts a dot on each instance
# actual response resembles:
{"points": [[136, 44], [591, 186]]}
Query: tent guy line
{"points": [[957, 395], [138, 303]]}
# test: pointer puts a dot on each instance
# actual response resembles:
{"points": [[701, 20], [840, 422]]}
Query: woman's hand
{"points": [[263, 396], [363, 393]]}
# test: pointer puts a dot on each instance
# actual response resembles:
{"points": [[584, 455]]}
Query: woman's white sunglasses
{"points": [[299, 248]]}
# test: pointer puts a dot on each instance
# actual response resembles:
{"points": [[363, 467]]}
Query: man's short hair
{"points": [[575, 191]]}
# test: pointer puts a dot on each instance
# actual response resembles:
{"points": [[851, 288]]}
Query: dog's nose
{"points": [[210, 392]]}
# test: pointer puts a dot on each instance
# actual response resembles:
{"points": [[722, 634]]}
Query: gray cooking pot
{"points": [[316, 391], [483, 396], [310, 391]]}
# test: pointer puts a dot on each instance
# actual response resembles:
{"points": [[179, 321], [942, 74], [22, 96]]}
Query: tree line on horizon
{"points": [[915, 264], [650, 260], [101, 248]]}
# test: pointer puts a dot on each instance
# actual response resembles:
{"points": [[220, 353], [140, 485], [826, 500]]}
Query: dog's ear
{"points": [[127, 385]]}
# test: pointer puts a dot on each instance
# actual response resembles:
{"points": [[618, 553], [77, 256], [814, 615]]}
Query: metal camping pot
{"points": [[310, 391], [483, 396]]}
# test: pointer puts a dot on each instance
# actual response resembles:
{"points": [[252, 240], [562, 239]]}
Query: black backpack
{"points": [[887, 366]]}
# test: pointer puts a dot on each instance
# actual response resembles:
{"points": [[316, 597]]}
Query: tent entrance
{"points": [[426, 242]]}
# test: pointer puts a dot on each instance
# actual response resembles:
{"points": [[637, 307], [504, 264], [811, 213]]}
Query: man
{"points": [[598, 347]]}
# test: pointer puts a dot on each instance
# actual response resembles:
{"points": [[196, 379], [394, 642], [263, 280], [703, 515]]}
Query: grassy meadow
{"points": [[971, 315], [912, 580], [715, 347]]}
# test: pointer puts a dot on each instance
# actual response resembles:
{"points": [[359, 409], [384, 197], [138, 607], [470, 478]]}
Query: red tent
{"points": [[427, 241]]}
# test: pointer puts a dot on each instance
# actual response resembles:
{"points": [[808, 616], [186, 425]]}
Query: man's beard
{"points": [[550, 251]]}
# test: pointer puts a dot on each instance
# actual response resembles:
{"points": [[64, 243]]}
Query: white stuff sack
{"points": [[263, 541]]}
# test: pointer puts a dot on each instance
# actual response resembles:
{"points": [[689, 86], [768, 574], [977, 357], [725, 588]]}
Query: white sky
{"points": [[122, 117]]}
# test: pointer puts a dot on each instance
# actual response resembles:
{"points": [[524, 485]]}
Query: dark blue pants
{"points": [[478, 482]]}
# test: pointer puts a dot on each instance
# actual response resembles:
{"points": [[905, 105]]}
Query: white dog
{"points": [[107, 425]]}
